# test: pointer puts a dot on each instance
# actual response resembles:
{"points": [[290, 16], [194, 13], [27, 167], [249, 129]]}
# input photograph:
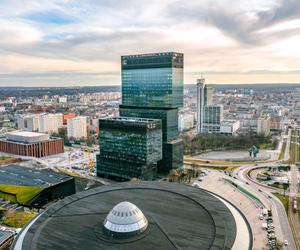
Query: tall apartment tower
{"points": [[152, 87], [204, 98], [77, 127], [50, 123], [200, 104]]}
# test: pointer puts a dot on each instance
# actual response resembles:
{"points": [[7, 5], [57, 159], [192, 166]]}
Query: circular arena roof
{"points": [[124, 218], [178, 217]]}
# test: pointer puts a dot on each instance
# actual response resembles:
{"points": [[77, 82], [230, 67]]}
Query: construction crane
{"points": [[91, 162]]}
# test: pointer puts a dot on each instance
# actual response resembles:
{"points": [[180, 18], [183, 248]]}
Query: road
{"points": [[283, 228], [281, 223], [288, 143], [293, 217]]}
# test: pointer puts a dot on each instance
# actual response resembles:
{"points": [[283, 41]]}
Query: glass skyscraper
{"points": [[152, 87], [153, 80], [152, 92]]}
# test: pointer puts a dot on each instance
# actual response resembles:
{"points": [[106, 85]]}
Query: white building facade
{"points": [[28, 123], [77, 127], [50, 123]]}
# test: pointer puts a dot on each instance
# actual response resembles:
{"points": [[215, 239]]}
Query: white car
{"points": [[286, 242]]}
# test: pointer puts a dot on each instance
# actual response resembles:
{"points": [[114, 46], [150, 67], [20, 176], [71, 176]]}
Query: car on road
{"points": [[259, 190], [247, 183], [200, 178], [286, 242]]}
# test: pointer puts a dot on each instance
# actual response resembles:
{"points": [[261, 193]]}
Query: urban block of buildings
{"points": [[43, 123], [152, 88], [31, 144]]}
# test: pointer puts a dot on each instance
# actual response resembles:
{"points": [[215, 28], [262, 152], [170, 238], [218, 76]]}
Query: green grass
{"points": [[267, 146], [281, 155], [284, 200], [19, 194], [294, 149], [298, 200], [278, 185], [2, 158], [192, 160], [243, 190], [231, 169], [18, 219]]}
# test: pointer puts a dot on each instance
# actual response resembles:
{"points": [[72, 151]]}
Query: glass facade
{"points": [[172, 157], [153, 80], [169, 118], [152, 92], [213, 115], [129, 147]]}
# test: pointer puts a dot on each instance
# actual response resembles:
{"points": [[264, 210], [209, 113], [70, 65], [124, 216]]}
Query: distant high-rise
{"points": [[200, 104], [204, 98], [209, 116]]}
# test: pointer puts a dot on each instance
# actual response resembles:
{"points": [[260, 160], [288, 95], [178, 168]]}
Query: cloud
{"points": [[50, 17], [241, 25], [85, 39]]}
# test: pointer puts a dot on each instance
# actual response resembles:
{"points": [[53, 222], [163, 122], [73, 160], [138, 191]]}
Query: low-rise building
{"points": [[263, 125], [28, 122], [213, 116], [185, 121], [229, 127], [31, 144]]}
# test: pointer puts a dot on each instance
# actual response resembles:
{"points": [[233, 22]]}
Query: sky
{"points": [[79, 43]]}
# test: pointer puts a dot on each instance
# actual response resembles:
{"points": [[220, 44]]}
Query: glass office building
{"points": [[129, 147], [153, 80], [213, 116], [173, 155], [169, 118], [152, 88]]}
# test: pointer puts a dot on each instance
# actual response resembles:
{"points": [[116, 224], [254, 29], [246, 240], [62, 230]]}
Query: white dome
{"points": [[125, 217]]}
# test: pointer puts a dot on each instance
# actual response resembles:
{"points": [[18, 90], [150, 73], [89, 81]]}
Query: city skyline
{"points": [[72, 43]]}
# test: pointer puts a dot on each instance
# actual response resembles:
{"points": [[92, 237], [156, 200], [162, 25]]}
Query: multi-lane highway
{"points": [[271, 202]]}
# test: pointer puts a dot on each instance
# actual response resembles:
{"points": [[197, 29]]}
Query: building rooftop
{"points": [[130, 122], [179, 217], [25, 133], [125, 218], [26, 136], [4, 236], [228, 122], [22, 176], [129, 119], [152, 54]]}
